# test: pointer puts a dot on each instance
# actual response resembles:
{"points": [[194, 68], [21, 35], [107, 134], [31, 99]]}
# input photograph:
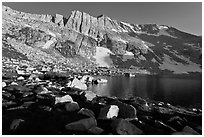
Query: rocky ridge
{"points": [[146, 47]]}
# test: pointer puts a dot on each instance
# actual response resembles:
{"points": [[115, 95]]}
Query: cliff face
{"points": [[152, 47]]}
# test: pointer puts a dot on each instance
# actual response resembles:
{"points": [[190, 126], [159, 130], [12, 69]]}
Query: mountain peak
{"points": [[152, 47], [100, 16]]}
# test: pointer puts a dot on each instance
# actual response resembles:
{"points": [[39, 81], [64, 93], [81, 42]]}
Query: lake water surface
{"points": [[183, 91]]}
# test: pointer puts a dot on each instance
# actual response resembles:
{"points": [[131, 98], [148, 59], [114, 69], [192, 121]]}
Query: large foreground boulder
{"points": [[82, 125], [88, 95], [16, 123], [186, 131], [77, 84], [66, 98], [73, 106], [160, 124], [109, 112], [141, 105], [86, 112], [177, 122], [126, 110], [95, 130], [3, 84], [123, 127]]}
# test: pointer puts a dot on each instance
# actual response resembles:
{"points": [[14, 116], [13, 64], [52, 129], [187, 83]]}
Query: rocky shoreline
{"points": [[48, 103]]}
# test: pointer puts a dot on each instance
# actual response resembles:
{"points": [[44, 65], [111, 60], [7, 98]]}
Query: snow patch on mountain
{"points": [[127, 55], [103, 57]]}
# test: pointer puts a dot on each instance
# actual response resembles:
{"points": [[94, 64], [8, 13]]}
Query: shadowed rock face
{"points": [[150, 47]]}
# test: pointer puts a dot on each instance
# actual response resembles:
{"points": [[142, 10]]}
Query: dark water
{"points": [[182, 91]]}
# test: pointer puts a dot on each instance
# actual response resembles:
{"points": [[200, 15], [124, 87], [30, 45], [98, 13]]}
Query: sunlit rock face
{"points": [[100, 41]]}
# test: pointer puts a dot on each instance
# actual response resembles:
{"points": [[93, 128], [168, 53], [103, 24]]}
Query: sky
{"points": [[185, 16]]}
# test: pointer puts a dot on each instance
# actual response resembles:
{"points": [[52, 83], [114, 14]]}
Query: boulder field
{"points": [[49, 106]]}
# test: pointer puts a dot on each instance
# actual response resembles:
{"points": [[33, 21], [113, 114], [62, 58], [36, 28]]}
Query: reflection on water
{"points": [[177, 91]]}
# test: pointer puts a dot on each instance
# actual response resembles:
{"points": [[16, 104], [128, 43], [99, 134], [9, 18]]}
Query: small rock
{"points": [[44, 69], [44, 91], [73, 106], [37, 80], [175, 118], [189, 130], [86, 112], [95, 130], [160, 124], [3, 84], [9, 104], [86, 79], [66, 98], [140, 101], [41, 90], [45, 108], [94, 81], [28, 96], [194, 109], [77, 84], [147, 119], [89, 95], [20, 78], [100, 81], [113, 112], [163, 110], [20, 72], [14, 83], [16, 123], [14, 88], [137, 123], [182, 111], [8, 95], [177, 122], [160, 103], [109, 112], [32, 77], [123, 127], [82, 125]]}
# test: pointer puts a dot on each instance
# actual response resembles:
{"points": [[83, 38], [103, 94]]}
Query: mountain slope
{"points": [[83, 40]]}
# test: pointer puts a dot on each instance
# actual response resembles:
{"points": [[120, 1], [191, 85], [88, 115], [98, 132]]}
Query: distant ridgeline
{"points": [[84, 40]]}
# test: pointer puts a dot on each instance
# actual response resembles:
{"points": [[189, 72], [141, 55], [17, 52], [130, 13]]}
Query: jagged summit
{"points": [[86, 21], [102, 15], [101, 41]]}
